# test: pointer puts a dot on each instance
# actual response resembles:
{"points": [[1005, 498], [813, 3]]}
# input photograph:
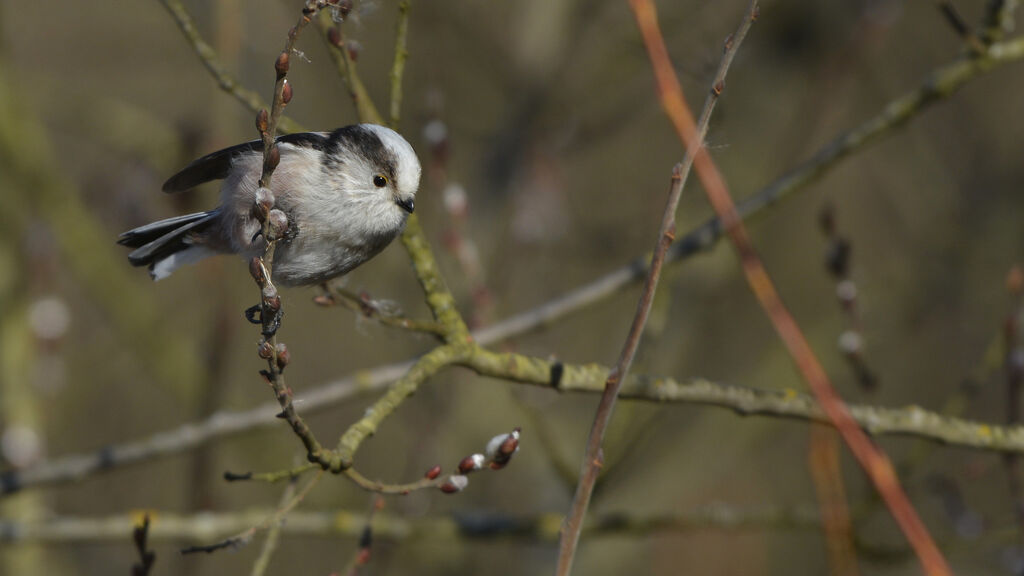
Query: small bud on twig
{"points": [[266, 350], [278, 222], [433, 473], [334, 36], [258, 271], [353, 47], [850, 343], [846, 291], [471, 463], [264, 203], [262, 120], [501, 448], [455, 484], [286, 92], [282, 64], [283, 356], [270, 298]]}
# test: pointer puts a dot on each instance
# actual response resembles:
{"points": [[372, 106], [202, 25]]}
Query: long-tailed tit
{"points": [[346, 194]]}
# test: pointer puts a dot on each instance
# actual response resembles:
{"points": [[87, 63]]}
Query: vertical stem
{"points": [[872, 459], [593, 457], [398, 66]]}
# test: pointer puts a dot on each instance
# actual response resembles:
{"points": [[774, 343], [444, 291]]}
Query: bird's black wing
{"points": [[217, 165]]}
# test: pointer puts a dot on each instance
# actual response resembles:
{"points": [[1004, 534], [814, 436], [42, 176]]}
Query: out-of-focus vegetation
{"points": [[554, 140]]}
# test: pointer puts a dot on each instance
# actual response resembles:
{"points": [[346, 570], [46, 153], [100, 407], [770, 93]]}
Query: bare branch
{"points": [[872, 459], [208, 56], [593, 457]]}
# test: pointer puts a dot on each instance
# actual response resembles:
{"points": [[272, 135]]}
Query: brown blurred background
{"points": [[555, 135]]}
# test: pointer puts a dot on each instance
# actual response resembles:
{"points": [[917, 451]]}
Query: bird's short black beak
{"points": [[406, 204]]}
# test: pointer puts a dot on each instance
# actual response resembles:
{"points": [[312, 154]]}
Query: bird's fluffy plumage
{"points": [[329, 186]]}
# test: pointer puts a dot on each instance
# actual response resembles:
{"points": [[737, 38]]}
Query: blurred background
{"points": [[547, 161]]}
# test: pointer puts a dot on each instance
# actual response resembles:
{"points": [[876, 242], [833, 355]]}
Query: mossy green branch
{"points": [[439, 298], [398, 68], [909, 421], [346, 68], [423, 369]]}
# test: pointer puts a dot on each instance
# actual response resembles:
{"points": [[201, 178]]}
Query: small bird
{"points": [[346, 195]]}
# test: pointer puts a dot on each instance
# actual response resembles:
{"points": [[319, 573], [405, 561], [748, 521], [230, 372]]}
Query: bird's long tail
{"points": [[168, 244]]}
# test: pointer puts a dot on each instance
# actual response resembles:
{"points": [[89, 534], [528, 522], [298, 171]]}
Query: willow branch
{"points": [[206, 526], [273, 535], [398, 67], [346, 69], [593, 457], [208, 56], [785, 403], [872, 459], [424, 368], [999, 19], [366, 307], [936, 87], [276, 517]]}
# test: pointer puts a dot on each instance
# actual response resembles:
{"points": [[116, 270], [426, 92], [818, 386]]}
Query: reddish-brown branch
{"points": [[873, 460], [823, 461], [593, 457]]}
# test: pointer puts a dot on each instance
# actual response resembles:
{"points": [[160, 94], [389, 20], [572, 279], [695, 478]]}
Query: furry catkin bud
{"points": [[471, 463], [850, 343], [286, 92], [270, 298], [455, 484], [503, 445], [353, 48], [283, 356], [278, 221], [501, 448], [266, 350], [282, 64], [264, 203]]}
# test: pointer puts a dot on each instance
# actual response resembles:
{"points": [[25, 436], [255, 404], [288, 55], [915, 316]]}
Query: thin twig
{"points": [[205, 526], [346, 69], [998, 20], [140, 536], [873, 460], [942, 83], [362, 304], [424, 368], [1014, 365], [243, 538], [362, 554], [779, 402], [959, 25], [274, 224], [398, 67], [826, 473], [593, 457], [271, 477], [208, 56], [273, 535]]}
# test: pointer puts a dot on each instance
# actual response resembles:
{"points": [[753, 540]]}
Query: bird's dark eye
{"points": [[380, 181]]}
